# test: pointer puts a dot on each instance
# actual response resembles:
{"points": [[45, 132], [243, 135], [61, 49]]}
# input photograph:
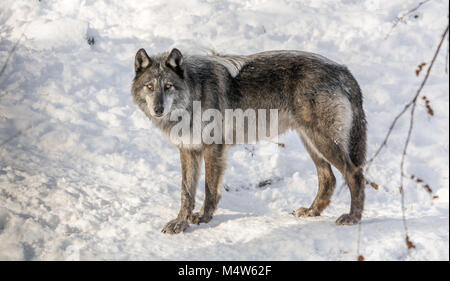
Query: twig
{"points": [[412, 104], [408, 138], [13, 50], [413, 101], [10, 54], [358, 250], [15, 135], [402, 162], [250, 150], [402, 17], [384, 143], [446, 55]]}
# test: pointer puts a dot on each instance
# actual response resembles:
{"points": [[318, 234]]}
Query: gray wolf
{"points": [[316, 97]]}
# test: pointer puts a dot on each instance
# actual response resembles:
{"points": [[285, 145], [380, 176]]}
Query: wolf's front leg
{"points": [[215, 162], [191, 164]]}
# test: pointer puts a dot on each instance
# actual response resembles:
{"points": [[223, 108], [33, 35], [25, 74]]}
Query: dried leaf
{"points": [[360, 258], [427, 105], [430, 110], [409, 243], [428, 188], [419, 68], [374, 185], [265, 183], [435, 197]]}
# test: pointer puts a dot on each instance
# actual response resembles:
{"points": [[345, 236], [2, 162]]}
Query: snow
{"points": [[84, 175]]}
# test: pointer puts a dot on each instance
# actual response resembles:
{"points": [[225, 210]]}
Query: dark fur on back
{"points": [[309, 74]]}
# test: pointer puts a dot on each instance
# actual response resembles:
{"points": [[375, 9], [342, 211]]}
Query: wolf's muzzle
{"points": [[159, 110]]}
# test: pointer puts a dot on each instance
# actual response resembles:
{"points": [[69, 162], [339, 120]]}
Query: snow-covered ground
{"points": [[84, 174]]}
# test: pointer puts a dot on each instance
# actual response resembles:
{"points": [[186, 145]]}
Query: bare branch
{"points": [[358, 250], [12, 51], [402, 17], [411, 104], [384, 143], [15, 135], [413, 101], [408, 138]]}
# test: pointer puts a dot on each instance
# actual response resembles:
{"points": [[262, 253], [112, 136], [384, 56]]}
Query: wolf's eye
{"points": [[150, 86], [168, 86]]}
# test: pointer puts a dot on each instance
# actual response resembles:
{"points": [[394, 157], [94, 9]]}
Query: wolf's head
{"points": [[159, 85]]}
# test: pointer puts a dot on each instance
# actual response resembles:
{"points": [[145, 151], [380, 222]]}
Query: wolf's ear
{"points": [[141, 61], [175, 61]]}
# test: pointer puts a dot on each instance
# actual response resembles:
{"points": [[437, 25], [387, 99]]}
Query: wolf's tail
{"points": [[358, 134]]}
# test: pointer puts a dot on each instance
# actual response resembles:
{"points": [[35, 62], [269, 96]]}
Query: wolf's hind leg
{"points": [[215, 162], [327, 183], [336, 154], [355, 180]]}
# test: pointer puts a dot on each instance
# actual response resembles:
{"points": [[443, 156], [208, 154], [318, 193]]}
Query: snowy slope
{"points": [[84, 174]]}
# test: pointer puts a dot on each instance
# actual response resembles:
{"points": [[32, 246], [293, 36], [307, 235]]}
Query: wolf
{"points": [[316, 97]]}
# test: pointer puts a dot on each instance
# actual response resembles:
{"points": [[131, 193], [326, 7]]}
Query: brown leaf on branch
{"points": [[372, 184], [280, 144], [427, 105], [427, 187], [419, 68], [409, 243], [265, 183]]}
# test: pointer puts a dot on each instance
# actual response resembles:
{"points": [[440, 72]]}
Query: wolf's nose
{"points": [[159, 110]]}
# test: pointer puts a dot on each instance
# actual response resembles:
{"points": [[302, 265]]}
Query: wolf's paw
{"points": [[306, 212], [175, 226], [198, 218], [347, 219]]}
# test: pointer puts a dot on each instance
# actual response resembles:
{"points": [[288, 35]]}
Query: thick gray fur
{"points": [[315, 96]]}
